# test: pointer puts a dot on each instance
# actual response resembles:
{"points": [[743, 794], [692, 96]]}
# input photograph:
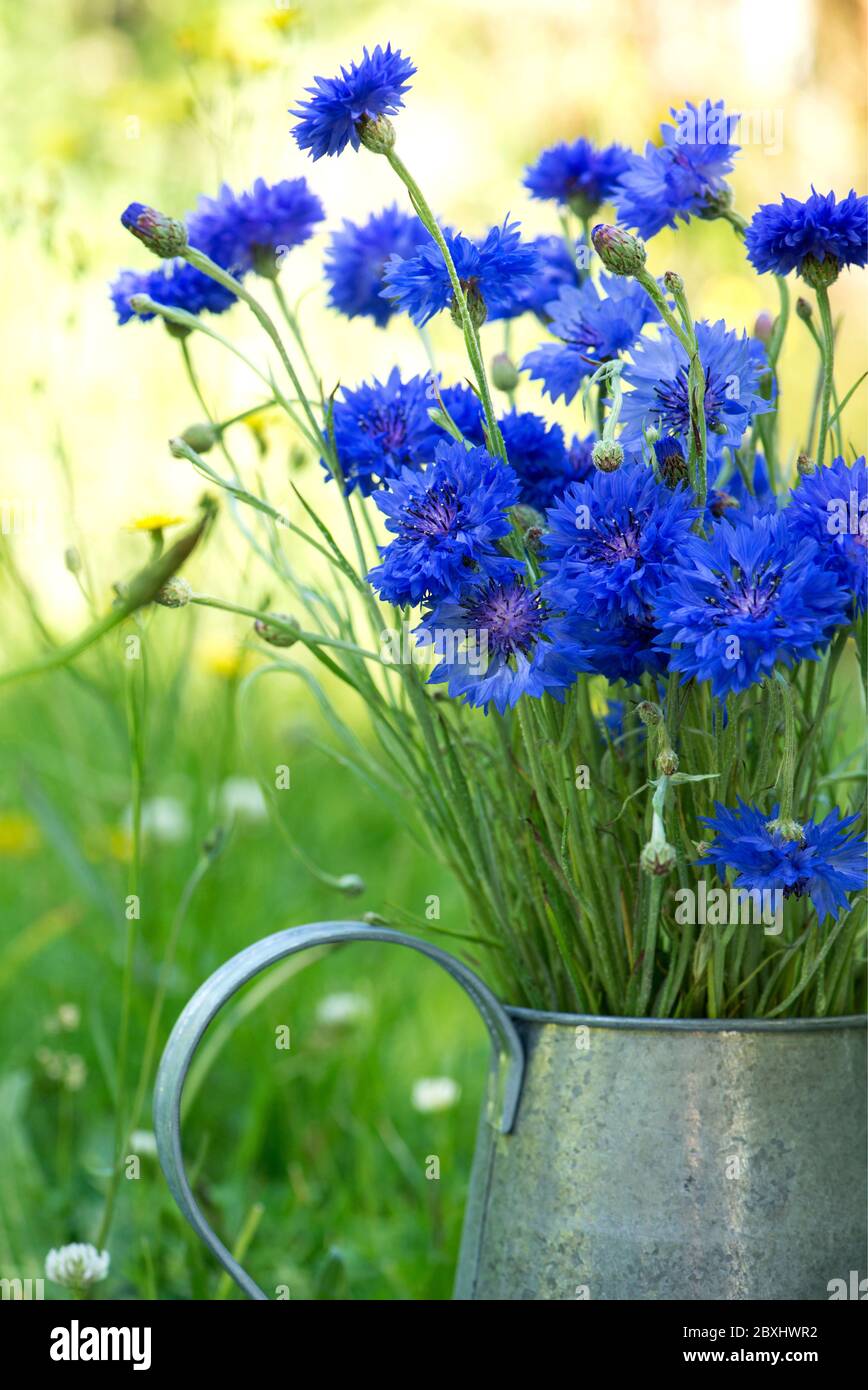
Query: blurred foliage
{"points": [[324, 1134]]}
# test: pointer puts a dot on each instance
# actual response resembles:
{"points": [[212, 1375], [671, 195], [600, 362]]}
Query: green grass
{"points": [[323, 1136]]}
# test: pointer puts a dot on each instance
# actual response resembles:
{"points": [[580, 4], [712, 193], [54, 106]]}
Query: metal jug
{"points": [[622, 1158]]}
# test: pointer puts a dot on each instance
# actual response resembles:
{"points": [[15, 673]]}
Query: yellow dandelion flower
{"points": [[203, 41], [240, 60], [19, 836], [156, 521], [599, 697], [284, 17], [60, 143], [221, 657], [258, 421], [108, 842]]}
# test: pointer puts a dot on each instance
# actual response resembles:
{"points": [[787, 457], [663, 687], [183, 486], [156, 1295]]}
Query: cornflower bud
{"points": [[762, 329], [282, 633], [658, 857], [504, 372], [200, 437], [667, 762], [377, 134], [649, 713], [620, 251], [165, 236], [607, 455], [175, 593]]}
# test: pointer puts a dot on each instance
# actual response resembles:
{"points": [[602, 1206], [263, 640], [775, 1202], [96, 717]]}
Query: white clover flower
{"points": [[69, 1017], [50, 1062], [144, 1143], [75, 1072], [164, 819], [242, 798], [66, 1068], [336, 1010], [77, 1266], [432, 1093]]}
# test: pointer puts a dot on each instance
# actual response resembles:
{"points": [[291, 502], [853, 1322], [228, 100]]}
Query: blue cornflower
{"points": [[803, 236], [382, 427], [579, 174], [538, 453], [580, 458], [356, 259], [254, 230], [445, 519], [683, 177], [744, 600], [670, 459], [622, 649], [497, 642], [593, 329], [612, 542], [613, 720], [830, 506], [122, 289], [733, 365], [825, 865], [557, 267], [340, 105], [620, 723], [728, 492], [465, 410], [730, 496], [173, 283], [494, 274]]}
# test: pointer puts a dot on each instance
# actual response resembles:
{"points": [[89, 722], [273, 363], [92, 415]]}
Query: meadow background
{"points": [[316, 1154]]}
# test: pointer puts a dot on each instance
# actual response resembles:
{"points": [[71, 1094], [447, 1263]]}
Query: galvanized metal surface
{"points": [[674, 1160], [637, 1159], [504, 1081]]}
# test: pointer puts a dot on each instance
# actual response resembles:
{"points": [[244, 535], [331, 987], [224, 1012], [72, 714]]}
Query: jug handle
{"points": [[505, 1075]]}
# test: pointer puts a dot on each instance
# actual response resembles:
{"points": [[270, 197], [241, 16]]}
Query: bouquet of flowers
{"points": [[601, 673]]}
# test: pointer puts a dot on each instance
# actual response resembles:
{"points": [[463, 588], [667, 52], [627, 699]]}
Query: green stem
{"points": [[649, 944], [221, 425], [788, 766], [295, 330], [140, 590], [806, 751], [685, 332], [828, 369], [166, 967], [181, 449], [208, 267], [135, 724], [307, 639], [471, 336], [181, 318], [655, 294]]}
